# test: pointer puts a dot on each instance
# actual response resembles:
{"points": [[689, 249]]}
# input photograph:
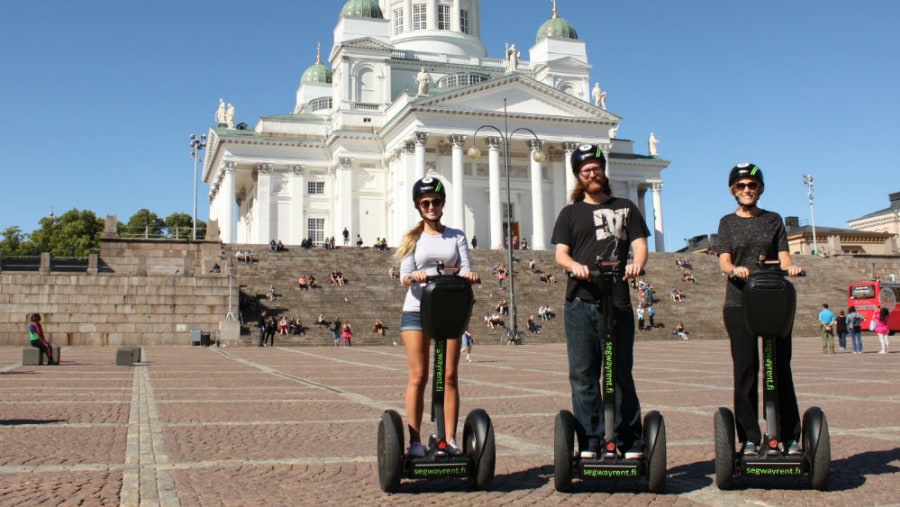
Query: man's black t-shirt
{"points": [[598, 231]]}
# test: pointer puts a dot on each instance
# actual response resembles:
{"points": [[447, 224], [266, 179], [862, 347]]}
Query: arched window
{"points": [[458, 80], [366, 89]]}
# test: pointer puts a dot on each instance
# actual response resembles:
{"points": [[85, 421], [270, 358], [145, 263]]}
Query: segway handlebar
{"points": [[441, 272], [768, 267], [607, 268]]}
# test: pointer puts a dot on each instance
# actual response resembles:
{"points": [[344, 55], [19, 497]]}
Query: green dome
{"points": [[557, 28], [361, 9], [318, 73]]}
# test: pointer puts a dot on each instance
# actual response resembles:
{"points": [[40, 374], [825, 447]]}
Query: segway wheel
{"points": [[390, 451], [479, 444], [563, 450], [655, 442], [817, 446], [724, 425]]}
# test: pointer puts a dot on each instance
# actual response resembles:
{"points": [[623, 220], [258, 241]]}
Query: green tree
{"points": [[144, 223], [179, 226], [74, 233], [15, 242]]}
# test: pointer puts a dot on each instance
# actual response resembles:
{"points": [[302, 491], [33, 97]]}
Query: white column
{"points": [[227, 195], [421, 139], [298, 217], [263, 204], [454, 16], [571, 180], [344, 211], [658, 231], [496, 216], [538, 234], [632, 187], [456, 201]]}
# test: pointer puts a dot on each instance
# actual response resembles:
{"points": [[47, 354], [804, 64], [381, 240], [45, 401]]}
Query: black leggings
{"points": [[745, 358], [46, 349]]}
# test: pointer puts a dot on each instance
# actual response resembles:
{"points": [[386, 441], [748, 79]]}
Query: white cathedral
{"points": [[408, 86]]}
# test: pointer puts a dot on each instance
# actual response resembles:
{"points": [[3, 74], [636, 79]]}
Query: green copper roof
{"points": [[556, 27], [317, 73], [362, 9]]}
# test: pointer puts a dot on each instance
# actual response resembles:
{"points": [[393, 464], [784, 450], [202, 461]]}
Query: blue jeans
{"points": [[856, 339], [584, 331]]}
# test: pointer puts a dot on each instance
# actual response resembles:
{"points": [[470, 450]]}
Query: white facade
{"points": [[359, 137]]}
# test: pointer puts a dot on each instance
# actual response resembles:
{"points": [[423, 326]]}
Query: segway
{"points": [[608, 465], [446, 307], [769, 303]]}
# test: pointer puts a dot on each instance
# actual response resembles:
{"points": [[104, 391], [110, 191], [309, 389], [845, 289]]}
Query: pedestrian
{"points": [[842, 330], [598, 226], [827, 321], [346, 235], [881, 315], [347, 334], [640, 318], [680, 332], [335, 329], [467, 343], [38, 341], [271, 326], [261, 327], [854, 326], [428, 243], [651, 312], [747, 236]]}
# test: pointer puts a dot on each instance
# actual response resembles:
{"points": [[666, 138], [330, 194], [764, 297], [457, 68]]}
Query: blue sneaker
{"points": [[792, 448], [416, 450], [749, 449]]}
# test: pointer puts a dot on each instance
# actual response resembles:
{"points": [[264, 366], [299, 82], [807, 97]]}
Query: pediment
{"points": [[368, 43], [524, 96]]}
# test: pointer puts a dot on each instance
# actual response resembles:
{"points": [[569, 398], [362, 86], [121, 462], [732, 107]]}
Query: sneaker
{"points": [[634, 453], [749, 449], [416, 450], [453, 449], [793, 448], [591, 451]]}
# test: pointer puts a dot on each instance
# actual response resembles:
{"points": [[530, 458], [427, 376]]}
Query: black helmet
{"points": [[586, 153], [427, 185], [745, 170]]}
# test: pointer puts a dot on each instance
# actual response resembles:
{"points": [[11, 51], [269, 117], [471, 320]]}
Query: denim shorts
{"points": [[411, 321]]}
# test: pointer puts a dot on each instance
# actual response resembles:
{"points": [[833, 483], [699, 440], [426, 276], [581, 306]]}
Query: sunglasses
{"points": [[753, 185], [427, 203]]}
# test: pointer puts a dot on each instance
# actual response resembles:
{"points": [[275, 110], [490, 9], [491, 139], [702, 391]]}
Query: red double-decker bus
{"points": [[866, 296]]}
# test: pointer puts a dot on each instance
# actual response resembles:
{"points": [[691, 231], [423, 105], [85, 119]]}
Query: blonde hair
{"points": [[408, 243]]}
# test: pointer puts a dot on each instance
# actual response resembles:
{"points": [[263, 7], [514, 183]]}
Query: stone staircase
{"points": [[370, 293]]}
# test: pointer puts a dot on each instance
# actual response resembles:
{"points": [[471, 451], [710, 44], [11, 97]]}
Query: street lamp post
{"points": [[197, 144], [537, 156], [808, 181]]}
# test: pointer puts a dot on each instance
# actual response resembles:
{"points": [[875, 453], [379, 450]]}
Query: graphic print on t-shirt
{"points": [[611, 224]]}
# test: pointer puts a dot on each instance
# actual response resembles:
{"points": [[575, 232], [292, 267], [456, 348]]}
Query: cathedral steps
{"points": [[371, 294]]}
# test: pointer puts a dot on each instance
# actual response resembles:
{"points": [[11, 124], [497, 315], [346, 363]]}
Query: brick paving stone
{"points": [[297, 426]]}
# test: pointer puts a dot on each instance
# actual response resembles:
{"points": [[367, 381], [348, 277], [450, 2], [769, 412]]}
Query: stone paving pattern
{"points": [[245, 426]]}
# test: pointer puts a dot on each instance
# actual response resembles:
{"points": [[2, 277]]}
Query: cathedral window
{"points": [[398, 21], [320, 103], [418, 17], [443, 17], [315, 230], [458, 80], [464, 21], [315, 187]]}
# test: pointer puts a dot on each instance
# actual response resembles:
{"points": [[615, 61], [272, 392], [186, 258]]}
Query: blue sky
{"points": [[99, 97]]}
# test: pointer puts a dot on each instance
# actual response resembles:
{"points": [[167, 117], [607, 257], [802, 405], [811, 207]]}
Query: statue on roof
{"points": [[651, 145], [422, 78], [599, 96], [229, 116], [613, 131], [512, 58], [220, 113]]}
